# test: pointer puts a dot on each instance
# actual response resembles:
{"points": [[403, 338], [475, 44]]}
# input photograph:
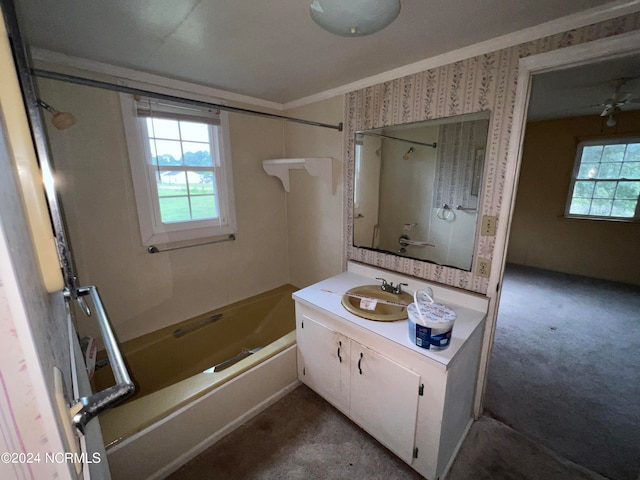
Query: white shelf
{"points": [[316, 166]]}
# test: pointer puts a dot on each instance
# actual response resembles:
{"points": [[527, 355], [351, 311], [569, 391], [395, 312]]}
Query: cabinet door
{"points": [[323, 361], [384, 399]]}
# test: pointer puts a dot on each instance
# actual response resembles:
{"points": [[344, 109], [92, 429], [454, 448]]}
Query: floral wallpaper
{"points": [[458, 146], [485, 82]]}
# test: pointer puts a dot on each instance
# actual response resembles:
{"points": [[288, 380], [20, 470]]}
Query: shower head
{"points": [[408, 154], [60, 120]]}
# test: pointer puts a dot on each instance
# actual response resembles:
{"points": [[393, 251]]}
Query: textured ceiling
{"points": [[584, 90], [270, 50]]}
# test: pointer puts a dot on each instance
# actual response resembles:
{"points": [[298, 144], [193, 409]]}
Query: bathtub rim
{"points": [[130, 419]]}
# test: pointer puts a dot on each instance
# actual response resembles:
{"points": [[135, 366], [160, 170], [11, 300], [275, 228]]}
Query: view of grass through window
{"points": [[184, 169], [607, 182]]}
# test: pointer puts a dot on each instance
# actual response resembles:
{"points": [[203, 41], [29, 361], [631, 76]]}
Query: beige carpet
{"points": [[303, 437], [564, 367]]}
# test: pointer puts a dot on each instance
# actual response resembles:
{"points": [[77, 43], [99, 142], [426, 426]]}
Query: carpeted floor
{"points": [[565, 367], [303, 437], [299, 437]]}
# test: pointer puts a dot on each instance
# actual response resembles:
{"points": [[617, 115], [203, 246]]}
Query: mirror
{"points": [[417, 188]]}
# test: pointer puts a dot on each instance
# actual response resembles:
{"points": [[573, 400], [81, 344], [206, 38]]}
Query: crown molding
{"points": [[608, 11]]}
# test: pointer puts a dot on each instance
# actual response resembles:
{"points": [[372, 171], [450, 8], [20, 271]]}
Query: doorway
{"points": [[564, 367], [548, 367]]}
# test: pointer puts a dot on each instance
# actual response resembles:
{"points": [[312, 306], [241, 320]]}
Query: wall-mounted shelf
{"points": [[316, 166]]}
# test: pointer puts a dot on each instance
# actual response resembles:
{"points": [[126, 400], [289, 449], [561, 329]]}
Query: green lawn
{"points": [[176, 209], [171, 190]]}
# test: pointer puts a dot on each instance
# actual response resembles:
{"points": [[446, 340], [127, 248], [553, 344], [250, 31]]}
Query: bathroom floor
{"points": [[303, 437]]}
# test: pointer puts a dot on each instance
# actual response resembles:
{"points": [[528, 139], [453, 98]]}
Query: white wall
{"points": [[282, 238], [314, 214], [144, 292]]}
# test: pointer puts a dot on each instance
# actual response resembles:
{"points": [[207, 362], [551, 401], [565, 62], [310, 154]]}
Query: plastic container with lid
{"points": [[430, 323]]}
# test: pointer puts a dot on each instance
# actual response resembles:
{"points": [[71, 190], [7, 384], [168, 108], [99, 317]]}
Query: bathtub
{"points": [[181, 406]]}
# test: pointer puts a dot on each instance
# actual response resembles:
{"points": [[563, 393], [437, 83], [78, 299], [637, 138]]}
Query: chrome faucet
{"points": [[388, 286]]}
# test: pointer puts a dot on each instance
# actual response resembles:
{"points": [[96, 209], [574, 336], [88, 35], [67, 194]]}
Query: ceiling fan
{"points": [[614, 104]]}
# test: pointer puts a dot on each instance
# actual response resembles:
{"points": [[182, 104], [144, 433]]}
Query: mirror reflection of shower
{"points": [[60, 120], [408, 154], [422, 167]]}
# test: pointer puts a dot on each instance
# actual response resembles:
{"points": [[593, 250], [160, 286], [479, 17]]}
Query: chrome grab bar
{"points": [[405, 241], [154, 249], [227, 363], [466, 209], [86, 408], [184, 330], [83, 305]]}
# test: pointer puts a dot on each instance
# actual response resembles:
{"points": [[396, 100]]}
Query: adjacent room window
{"points": [[606, 180], [181, 170]]}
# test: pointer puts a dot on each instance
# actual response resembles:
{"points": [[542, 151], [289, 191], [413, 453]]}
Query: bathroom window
{"points": [[606, 180], [179, 158]]}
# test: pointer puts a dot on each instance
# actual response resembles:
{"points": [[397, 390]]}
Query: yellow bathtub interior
{"points": [[168, 371]]}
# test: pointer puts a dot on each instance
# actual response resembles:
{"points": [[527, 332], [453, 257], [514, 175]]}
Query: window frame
{"points": [[357, 183], [576, 169], [143, 174]]}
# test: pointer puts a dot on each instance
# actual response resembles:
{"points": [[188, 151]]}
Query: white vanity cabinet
{"points": [[416, 402], [380, 386], [325, 364], [360, 382]]}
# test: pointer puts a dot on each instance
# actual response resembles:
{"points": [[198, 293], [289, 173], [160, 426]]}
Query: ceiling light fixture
{"points": [[354, 18]]}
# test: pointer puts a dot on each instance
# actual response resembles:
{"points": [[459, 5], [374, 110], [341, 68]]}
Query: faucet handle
{"points": [[384, 282], [398, 288]]}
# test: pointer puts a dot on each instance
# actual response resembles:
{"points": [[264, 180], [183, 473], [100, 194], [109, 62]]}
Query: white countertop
{"points": [[327, 296]]}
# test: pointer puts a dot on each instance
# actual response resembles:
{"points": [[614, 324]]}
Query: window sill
{"points": [[600, 219]]}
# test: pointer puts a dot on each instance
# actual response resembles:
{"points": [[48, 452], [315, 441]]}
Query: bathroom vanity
{"points": [[416, 402]]}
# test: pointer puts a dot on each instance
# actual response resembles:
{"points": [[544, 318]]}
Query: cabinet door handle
{"points": [[359, 363], [339, 357]]}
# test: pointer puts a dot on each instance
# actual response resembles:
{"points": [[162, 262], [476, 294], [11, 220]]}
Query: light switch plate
{"points": [[489, 223]]}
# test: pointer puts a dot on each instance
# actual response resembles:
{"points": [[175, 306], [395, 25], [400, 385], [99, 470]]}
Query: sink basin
{"points": [[389, 307]]}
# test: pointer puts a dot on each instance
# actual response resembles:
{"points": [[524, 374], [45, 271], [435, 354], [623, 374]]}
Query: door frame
{"points": [[618, 46]]}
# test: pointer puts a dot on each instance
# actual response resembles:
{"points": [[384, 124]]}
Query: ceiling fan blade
{"points": [[621, 97], [608, 110]]}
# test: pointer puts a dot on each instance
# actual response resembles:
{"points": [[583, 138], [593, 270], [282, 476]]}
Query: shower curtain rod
{"points": [[161, 96], [414, 142]]}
